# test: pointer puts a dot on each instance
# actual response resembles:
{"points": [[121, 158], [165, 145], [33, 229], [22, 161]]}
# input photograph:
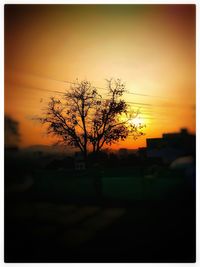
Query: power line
{"points": [[164, 105], [138, 105], [59, 92], [102, 88], [129, 102], [148, 108]]}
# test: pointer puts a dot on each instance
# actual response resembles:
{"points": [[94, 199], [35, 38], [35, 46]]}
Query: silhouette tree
{"points": [[83, 119], [11, 131]]}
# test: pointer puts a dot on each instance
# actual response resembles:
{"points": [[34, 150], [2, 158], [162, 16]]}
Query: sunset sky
{"points": [[150, 47]]}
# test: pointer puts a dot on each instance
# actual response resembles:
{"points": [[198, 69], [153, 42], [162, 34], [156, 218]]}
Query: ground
{"points": [[63, 220]]}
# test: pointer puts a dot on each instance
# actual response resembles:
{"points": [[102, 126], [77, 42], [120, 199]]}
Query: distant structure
{"points": [[11, 135], [170, 146], [79, 162]]}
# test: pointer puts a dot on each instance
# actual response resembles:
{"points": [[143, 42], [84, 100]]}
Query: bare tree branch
{"points": [[83, 119]]}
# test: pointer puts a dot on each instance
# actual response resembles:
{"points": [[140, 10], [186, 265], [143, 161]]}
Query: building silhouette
{"points": [[170, 146]]}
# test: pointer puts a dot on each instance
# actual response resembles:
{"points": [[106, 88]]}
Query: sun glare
{"points": [[137, 121]]}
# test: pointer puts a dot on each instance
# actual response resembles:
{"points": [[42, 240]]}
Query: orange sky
{"points": [[150, 47]]}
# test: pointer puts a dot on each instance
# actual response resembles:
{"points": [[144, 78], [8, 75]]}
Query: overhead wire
{"points": [[98, 87], [163, 105]]}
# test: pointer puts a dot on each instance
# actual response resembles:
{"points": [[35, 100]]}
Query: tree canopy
{"points": [[82, 118]]}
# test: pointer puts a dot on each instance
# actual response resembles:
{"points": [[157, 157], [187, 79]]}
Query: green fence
{"points": [[129, 187]]}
